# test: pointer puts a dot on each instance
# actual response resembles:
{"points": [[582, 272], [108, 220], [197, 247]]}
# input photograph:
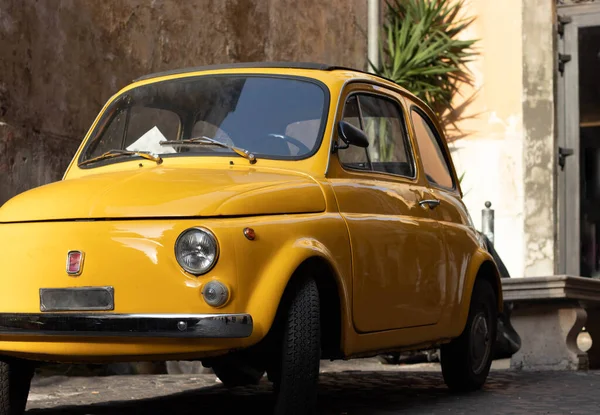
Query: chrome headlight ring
{"points": [[197, 250]]}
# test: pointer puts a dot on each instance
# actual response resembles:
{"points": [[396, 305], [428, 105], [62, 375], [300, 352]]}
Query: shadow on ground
{"points": [[344, 392]]}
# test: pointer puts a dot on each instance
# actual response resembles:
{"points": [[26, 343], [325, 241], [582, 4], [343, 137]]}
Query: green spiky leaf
{"points": [[421, 52]]}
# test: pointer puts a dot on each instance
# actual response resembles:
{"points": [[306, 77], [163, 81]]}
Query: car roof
{"points": [[241, 65], [285, 66]]}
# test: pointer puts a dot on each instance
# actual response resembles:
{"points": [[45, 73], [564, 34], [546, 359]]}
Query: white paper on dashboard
{"points": [[150, 142]]}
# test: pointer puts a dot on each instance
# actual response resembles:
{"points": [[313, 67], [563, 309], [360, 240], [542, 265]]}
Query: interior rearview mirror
{"points": [[351, 135]]}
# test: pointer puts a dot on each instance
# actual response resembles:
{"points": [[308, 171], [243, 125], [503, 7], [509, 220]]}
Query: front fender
{"points": [[265, 266], [276, 276]]}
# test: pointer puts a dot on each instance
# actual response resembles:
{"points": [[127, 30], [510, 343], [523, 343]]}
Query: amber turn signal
{"points": [[249, 233]]}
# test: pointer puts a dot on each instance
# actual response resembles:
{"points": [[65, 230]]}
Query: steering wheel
{"points": [[302, 148]]}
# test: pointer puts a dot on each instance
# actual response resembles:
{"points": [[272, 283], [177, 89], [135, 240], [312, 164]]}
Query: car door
{"points": [[398, 257], [441, 178]]}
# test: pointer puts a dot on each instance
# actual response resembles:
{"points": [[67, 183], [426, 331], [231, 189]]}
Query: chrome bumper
{"points": [[127, 325]]}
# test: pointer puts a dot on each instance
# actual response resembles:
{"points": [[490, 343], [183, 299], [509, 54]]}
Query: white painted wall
{"points": [[491, 150], [493, 172]]}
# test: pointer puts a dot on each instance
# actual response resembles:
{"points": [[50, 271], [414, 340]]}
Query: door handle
{"points": [[432, 203]]}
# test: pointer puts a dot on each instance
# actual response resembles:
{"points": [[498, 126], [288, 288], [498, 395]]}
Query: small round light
{"points": [[249, 234], [197, 250], [215, 293]]}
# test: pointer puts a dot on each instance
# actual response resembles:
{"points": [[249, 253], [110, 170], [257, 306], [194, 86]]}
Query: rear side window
{"points": [[431, 152], [381, 120]]}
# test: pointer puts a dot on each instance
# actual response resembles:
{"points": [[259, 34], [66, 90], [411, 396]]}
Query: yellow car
{"points": [[256, 217]]}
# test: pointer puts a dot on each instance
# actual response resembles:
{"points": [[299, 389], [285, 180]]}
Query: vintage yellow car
{"points": [[256, 217]]}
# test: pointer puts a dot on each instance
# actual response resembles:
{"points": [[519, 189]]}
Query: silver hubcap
{"points": [[481, 343]]}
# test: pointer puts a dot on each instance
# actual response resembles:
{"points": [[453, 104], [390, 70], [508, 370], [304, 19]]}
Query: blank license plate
{"points": [[77, 299]]}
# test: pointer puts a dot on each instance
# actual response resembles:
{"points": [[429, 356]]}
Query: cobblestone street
{"points": [[364, 387]]}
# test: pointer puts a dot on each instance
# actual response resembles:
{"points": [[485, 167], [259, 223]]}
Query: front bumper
{"points": [[127, 325]]}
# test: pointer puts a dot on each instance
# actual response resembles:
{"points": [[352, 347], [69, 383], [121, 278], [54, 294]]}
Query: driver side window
{"points": [[382, 121], [353, 157]]}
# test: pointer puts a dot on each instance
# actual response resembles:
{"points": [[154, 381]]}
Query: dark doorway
{"points": [[589, 122]]}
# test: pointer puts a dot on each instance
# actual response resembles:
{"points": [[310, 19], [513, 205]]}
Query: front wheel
{"points": [[297, 374], [15, 380], [466, 360]]}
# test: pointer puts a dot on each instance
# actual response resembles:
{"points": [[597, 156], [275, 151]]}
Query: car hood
{"points": [[169, 192]]}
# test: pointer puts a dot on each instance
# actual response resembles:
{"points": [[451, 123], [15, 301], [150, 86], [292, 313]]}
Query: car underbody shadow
{"points": [[352, 392]]}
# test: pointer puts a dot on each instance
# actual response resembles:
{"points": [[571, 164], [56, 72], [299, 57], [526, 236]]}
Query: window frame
{"points": [[408, 143], [437, 136], [361, 126]]}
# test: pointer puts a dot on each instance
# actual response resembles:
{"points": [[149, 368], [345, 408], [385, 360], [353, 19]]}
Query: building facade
{"points": [[61, 60], [527, 142], [532, 132]]}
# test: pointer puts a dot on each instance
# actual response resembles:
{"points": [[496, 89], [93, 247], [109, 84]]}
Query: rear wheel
{"points": [[297, 373], [466, 361], [15, 380]]}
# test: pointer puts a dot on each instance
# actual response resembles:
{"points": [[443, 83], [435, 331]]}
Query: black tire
{"points": [[297, 379], [466, 360], [237, 375], [15, 380]]}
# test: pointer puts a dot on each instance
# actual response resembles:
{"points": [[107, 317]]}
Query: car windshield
{"points": [[270, 117]]}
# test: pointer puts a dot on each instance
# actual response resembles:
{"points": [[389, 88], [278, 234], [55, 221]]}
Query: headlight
{"points": [[197, 250]]}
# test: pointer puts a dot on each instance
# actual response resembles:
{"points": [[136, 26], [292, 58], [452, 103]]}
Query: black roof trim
{"points": [[290, 65], [287, 65]]}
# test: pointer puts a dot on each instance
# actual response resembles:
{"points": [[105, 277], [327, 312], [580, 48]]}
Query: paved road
{"points": [[346, 388]]}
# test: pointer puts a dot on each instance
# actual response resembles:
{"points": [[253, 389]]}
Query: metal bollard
{"points": [[487, 222]]}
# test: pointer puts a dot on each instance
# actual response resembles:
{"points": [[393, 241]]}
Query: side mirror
{"points": [[352, 135]]}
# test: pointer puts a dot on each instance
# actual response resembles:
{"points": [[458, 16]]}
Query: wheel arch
{"points": [[488, 271], [330, 303], [300, 262], [483, 267], [330, 300]]}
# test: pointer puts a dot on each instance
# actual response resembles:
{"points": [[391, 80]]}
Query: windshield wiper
{"points": [[206, 141], [119, 153]]}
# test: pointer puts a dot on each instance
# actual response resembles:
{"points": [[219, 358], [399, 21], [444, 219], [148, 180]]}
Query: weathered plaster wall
{"points": [[508, 152], [490, 154], [60, 60], [539, 144]]}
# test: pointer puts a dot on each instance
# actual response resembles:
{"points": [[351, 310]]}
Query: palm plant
{"points": [[420, 50]]}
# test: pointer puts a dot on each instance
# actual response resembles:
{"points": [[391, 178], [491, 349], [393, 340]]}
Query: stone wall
{"points": [[539, 144], [60, 60]]}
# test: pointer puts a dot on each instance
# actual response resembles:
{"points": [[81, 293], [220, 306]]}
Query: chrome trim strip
{"points": [[127, 325]]}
